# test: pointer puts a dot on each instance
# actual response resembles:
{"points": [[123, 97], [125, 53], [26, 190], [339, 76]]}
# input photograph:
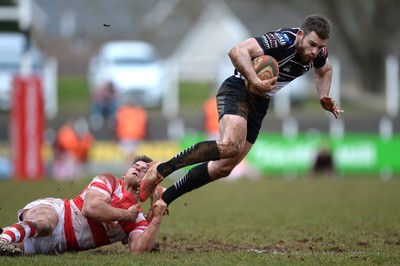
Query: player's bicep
{"points": [[93, 201], [249, 46], [94, 195]]}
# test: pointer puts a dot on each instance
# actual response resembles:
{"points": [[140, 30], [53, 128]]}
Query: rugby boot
{"points": [[8, 249], [149, 182]]}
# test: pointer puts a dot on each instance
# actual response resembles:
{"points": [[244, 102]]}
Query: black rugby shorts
{"points": [[234, 99]]}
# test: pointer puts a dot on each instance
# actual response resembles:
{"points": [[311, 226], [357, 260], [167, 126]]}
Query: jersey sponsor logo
{"points": [[287, 39], [272, 40], [287, 68], [280, 38], [265, 41]]}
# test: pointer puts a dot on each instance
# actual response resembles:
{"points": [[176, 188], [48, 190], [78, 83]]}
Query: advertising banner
{"points": [[353, 154]]}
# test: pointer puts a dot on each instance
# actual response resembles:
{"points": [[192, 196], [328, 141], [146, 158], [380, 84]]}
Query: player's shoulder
{"points": [[281, 38], [286, 36], [291, 32], [108, 178], [321, 58]]}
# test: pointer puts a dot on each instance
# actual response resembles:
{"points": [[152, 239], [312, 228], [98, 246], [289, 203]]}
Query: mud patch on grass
{"points": [[213, 245]]}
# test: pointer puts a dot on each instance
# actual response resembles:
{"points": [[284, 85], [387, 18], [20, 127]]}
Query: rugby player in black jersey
{"points": [[242, 109]]}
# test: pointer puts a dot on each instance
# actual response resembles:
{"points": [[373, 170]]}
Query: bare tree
{"points": [[369, 30]]}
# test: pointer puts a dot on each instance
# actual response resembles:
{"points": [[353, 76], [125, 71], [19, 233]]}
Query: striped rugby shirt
{"points": [[82, 234]]}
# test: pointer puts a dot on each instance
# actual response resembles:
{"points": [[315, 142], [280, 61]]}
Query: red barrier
{"points": [[27, 128]]}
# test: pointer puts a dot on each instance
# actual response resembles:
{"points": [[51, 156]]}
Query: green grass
{"points": [[193, 95], [350, 221], [73, 94]]}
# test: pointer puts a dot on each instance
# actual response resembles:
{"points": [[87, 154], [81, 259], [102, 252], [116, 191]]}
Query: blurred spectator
{"points": [[130, 128], [5, 166], [104, 105], [323, 164], [72, 146], [211, 117]]}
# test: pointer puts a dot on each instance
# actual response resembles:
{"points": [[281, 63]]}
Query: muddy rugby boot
{"points": [[149, 182]]}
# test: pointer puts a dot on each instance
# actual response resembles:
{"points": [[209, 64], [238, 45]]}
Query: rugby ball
{"points": [[266, 67]]}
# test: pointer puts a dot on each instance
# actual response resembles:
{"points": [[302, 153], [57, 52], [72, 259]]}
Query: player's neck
{"points": [[133, 191]]}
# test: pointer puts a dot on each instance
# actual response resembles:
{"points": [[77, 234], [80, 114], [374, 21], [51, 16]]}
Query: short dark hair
{"points": [[143, 158], [317, 23]]}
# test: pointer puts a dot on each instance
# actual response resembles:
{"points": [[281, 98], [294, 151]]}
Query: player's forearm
{"points": [[323, 84], [146, 241], [241, 59], [323, 79], [103, 212]]}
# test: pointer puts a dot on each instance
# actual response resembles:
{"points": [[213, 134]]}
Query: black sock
{"points": [[201, 152], [196, 177]]}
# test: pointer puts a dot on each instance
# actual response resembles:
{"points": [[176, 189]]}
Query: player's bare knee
{"points": [[234, 149], [45, 227], [230, 149], [45, 219], [222, 171]]}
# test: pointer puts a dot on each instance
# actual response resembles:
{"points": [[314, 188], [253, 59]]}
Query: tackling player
{"points": [[105, 212]]}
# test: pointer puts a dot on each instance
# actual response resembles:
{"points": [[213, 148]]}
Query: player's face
{"points": [[309, 46], [136, 172]]}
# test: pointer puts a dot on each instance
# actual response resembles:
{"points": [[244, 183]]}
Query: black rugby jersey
{"points": [[280, 45]]}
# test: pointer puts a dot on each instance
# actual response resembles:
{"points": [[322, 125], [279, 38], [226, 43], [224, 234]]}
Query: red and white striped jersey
{"points": [[82, 234]]}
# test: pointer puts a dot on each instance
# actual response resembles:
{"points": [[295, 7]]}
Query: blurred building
{"points": [[20, 54], [75, 29]]}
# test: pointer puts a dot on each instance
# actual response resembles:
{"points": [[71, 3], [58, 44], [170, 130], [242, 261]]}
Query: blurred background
{"points": [[87, 85]]}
